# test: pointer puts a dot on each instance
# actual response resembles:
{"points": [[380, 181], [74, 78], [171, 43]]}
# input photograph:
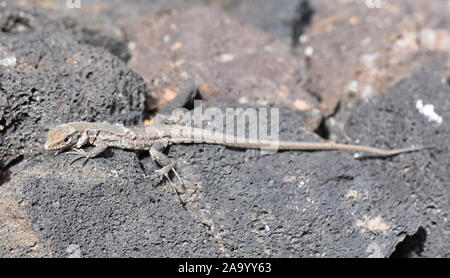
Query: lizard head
{"points": [[62, 137]]}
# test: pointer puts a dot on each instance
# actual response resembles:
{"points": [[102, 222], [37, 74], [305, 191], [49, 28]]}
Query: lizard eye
{"points": [[68, 139]]}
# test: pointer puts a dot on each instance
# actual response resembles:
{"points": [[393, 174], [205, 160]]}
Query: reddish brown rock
{"points": [[226, 56], [360, 50]]}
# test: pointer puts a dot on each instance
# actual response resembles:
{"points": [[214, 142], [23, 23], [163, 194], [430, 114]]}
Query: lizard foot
{"points": [[164, 172], [79, 155]]}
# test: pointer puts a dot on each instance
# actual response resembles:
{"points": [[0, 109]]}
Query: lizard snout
{"points": [[48, 145]]}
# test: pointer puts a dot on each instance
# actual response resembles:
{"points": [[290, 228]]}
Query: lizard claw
{"points": [[80, 154], [78, 158], [178, 176], [164, 172]]}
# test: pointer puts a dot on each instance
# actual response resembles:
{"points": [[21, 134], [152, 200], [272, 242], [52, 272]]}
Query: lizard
{"points": [[73, 136]]}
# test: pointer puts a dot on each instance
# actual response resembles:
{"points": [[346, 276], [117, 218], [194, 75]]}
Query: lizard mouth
{"points": [[49, 147]]}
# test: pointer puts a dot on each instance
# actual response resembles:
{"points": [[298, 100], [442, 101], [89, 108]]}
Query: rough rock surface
{"points": [[48, 77], [362, 48], [418, 181], [107, 208], [249, 65], [291, 204], [237, 202]]}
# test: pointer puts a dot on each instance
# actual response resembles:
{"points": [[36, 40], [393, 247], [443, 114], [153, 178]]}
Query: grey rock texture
{"points": [[236, 203], [418, 181], [107, 208], [48, 77], [242, 203], [295, 204]]}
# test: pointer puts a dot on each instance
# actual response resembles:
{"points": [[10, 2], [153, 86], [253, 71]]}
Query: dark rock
{"points": [[293, 204], [48, 77], [279, 18], [237, 202], [286, 204], [107, 208], [417, 181]]}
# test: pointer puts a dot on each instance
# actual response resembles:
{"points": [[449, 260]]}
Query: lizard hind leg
{"points": [[164, 172], [164, 161]]}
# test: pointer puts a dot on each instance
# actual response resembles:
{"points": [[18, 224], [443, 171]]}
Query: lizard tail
{"points": [[211, 137], [335, 146], [313, 146]]}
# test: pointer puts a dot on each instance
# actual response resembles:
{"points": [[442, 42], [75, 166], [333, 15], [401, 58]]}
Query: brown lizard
{"points": [[155, 138]]}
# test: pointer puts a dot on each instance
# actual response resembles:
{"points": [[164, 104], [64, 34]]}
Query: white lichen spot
{"points": [[428, 111], [289, 179], [353, 87], [369, 61], [268, 48], [73, 251], [173, 27], [8, 61], [375, 224], [408, 41], [368, 91], [303, 39], [166, 38], [428, 37], [6, 58], [301, 105], [309, 51], [351, 194], [225, 57], [131, 45], [374, 251]]}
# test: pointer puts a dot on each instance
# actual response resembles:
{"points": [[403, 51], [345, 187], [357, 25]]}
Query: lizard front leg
{"points": [[98, 149]]}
